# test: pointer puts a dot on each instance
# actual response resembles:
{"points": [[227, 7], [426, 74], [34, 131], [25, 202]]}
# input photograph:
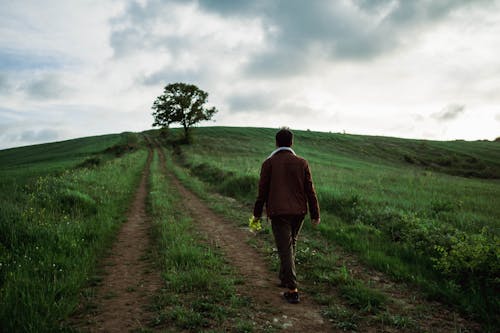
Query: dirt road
{"points": [[129, 279], [259, 283]]}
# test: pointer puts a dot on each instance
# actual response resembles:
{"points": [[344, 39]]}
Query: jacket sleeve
{"points": [[264, 183], [312, 199]]}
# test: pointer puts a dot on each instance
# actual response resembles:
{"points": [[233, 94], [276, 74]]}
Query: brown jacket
{"points": [[286, 187]]}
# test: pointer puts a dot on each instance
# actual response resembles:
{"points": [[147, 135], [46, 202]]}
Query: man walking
{"points": [[286, 188]]}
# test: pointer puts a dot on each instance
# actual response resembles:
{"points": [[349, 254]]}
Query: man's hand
{"points": [[254, 224], [315, 222]]}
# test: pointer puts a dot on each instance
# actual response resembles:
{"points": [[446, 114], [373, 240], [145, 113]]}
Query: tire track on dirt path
{"points": [[130, 279], [259, 283]]}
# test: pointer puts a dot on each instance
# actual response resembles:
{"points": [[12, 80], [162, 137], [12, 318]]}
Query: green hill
{"points": [[61, 203], [424, 212], [478, 159], [58, 156]]}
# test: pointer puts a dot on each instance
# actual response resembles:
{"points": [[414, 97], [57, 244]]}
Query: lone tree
{"points": [[181, 103]]}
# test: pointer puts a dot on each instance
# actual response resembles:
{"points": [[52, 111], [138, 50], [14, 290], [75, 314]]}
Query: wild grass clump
{"points": [[240, 186], [243, 187], [362, 297], [90, 162], [468, 262], [129, 143], [73, 200], [452, 162], [210, 173], [344, 205], [391, 201]]}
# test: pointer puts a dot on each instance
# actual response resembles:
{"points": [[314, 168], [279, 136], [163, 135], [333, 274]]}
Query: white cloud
{"points": [[450, 112], [382, 67], [48, 86]]}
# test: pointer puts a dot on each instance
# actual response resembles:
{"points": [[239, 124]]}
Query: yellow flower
{"points": [[254, 224]]}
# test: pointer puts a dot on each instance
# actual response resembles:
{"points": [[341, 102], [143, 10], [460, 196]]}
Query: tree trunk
{"points": [[186, 134]]}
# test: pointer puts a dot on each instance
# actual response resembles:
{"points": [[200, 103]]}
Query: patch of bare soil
{"points": [[129, 279], [259, 283]]}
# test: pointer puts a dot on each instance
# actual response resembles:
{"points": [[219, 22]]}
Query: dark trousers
{"points": [[286, 229]]}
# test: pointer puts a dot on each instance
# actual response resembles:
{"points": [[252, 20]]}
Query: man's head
{"points": [[284, 138]]}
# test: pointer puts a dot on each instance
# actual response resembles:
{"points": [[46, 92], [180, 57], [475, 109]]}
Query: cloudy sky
{"points": [[417, 69]]}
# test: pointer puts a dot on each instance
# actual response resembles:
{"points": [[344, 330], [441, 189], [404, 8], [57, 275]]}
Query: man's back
{"points": [[286, 186]]}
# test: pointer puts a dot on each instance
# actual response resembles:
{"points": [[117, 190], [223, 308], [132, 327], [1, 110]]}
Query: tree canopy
{"points": [[181, 103]]}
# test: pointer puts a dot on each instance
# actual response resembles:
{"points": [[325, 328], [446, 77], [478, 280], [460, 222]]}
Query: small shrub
{"points": [[187, 319], [5, 258], [210, 173], [362, 297], [344, 206], [439, 206], [346, 319], [471, 258], [121, 149], [409, 159], [91, 162], [240, 187], [472, 262]]}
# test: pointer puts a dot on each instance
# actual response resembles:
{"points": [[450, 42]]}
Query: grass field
{"points": [[57, 215], [423, 212]]}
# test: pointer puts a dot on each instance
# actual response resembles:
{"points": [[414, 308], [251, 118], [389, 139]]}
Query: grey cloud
{"points": [[133, 31], [308, 30], [8, 116], [276, 63], [46, 87], [343, 33], [417, 117], [372, 4], [168, 75], [260, 102], [16, 134], [450, 112], [422, 12], [5, 86], [15, 60], [299, 32], [39, 136], [234, 7], [125, 39]]}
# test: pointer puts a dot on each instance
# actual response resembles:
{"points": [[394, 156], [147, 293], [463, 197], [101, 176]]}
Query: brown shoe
{"points": [[291, 297]]}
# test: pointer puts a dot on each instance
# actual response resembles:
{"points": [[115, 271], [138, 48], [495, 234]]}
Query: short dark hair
{"points": [[284, 138]]}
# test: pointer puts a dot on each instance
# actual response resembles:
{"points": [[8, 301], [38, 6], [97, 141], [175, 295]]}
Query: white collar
{"points": [[281, 149]]}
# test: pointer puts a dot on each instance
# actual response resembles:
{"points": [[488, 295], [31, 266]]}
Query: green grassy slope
{"points": [[373, 169], [426, 212], [56, 217], [60, 154]]}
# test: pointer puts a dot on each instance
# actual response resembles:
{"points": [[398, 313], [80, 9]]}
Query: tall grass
{"points": [[317, 264], [52, 229], [415, 221]]}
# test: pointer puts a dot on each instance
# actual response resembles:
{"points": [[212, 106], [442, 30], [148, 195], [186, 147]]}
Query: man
{"points": [[286, 188]]}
